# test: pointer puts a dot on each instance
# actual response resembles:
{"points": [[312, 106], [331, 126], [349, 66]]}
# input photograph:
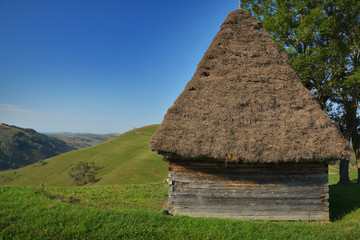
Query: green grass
{"points": [[124, 159], [134, 212], [133, 196]]}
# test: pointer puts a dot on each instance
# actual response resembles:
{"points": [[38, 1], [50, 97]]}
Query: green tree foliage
{"points": [[83, 173], [322, 39]]}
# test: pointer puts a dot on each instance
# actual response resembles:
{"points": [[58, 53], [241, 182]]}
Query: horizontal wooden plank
{"points": [[247, 189], [255, 172], [245, 186], [245, 175], [318, 179], [254, 183], [248, 207], [195, 162], [253, 210], [250, 195], [234, 170], [233, 201], [263, 168], [322, 216]]}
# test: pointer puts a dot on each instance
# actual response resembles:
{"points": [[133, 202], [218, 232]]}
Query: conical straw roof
{"points": [[245, 103]]}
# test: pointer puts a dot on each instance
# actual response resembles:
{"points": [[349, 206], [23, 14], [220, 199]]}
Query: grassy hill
{"points": [[137, 212], [81, 141], [122, 159], [21, 146]]}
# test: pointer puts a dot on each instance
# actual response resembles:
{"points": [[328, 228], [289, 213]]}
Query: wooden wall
{"points": [[277, 192]]}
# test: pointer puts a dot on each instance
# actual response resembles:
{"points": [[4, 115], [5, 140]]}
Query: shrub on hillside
{"points": [[83, 173]]}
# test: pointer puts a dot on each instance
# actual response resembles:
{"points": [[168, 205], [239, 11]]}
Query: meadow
{"points": [[138, 211]]}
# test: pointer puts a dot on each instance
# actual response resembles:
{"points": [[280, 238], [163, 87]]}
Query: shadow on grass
{"points": [[343, 199]]}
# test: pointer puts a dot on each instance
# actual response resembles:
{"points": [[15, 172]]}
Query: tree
{"points": [[83, 173], [322, 38]]}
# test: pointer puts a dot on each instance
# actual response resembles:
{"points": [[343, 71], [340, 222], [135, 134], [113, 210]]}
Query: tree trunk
{"points": [[357, 161], [344, 172], [357, 157], [356, 148]]}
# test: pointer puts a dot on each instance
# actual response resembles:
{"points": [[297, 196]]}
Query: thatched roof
{"points": [[246, 103]]}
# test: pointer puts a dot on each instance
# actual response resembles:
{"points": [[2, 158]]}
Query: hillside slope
{"points": [[21, 146], [122, 159], [81, 141]]}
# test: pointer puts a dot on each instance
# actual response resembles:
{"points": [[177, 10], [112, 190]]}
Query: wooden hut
{"points": [[246, 139]]}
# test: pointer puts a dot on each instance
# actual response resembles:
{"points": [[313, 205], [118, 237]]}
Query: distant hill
{"points": [[22, 146], [124, 159], [82, 140]]}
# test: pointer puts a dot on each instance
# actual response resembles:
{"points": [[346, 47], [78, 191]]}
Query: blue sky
{"points": [[100, 66]]}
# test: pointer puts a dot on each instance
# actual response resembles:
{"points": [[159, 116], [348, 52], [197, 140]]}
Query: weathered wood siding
{"points": [[288, 191]]}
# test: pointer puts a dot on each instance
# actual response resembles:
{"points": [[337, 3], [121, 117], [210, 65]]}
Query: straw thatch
{"points": [[246, 103]]}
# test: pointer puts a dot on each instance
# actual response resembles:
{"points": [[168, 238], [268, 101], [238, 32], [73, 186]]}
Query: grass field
{"points": [[124, 159], [137, 212]]}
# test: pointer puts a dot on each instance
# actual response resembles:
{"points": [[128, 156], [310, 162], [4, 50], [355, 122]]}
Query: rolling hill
{"points": [[124, 159], [85, 140], [22, 146]]}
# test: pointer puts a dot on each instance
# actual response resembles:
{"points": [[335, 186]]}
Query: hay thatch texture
{"points": [[246, 103]]}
